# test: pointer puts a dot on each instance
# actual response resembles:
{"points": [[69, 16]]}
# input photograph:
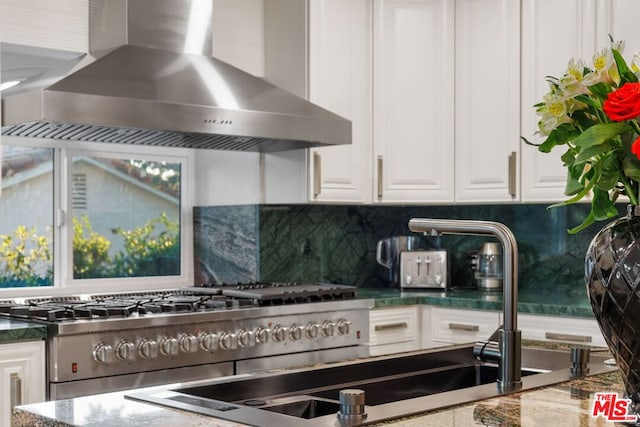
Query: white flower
{"points": [[553, 112], [635, 62], [604, 69], [619, 46], [571, 82], [555, 104]]}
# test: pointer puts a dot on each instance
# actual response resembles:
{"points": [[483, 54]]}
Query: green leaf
{"points": [[526, 141], [601, 90], [586, 223], [548, 144], [559, 136], [601, 206], [597, 134], [575, 198], [573, 186], [587, 100], [568, 158], [609, 173], [625, 73], [631, 168], [591, 152]]}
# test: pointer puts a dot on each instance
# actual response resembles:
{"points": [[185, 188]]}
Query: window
{"points": [[87, 216], [26, 210], [126, 217]]}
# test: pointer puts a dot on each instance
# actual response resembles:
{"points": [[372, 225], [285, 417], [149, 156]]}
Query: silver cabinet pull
{"points": [[15, 389], [567, 337], [317, 174], [512, 174], [390, 326], [379, 177], [464, 327]]}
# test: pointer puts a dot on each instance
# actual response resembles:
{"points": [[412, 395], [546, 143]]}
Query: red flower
{"points": [[635, 147], [623, 103]]}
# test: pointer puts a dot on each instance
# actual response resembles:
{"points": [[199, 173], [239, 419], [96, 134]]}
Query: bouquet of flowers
{"points": [[594, 112]]}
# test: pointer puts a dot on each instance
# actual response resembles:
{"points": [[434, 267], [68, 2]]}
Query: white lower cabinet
{"points": [[22, 376], [570, 330], [393, 330], [445, 326]]}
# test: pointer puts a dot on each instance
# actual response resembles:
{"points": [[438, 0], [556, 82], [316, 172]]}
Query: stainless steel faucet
{"points": [[507, 351]]}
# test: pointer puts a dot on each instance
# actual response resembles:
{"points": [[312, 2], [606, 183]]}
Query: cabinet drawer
{"points": [[462, 326], [565, 329], [394, 328]]}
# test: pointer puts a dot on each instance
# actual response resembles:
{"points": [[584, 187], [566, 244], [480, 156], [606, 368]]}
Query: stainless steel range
{"points": [[110, 342]]}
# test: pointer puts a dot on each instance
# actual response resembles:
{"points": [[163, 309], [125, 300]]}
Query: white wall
{"points": [[226, 178]]}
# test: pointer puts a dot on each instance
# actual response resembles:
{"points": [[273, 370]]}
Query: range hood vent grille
{"points": [[110, 134]]}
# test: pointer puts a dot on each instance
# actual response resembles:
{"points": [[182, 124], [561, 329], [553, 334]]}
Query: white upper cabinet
{"points": [[413, 71], [340, 81], [579, 29], [487, 96], [61, 24], [619, 18], [552, 33]]}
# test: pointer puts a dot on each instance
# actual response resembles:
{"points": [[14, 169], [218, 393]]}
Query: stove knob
{"points": [[169, 346], [262, 335], [228, 341], [189, 343], [280, 333], [208, 341], [245, 338], [148, 349], [295, 332], [328, 328], [311, 330], [103, 353], [126, 350], [343, 326]]}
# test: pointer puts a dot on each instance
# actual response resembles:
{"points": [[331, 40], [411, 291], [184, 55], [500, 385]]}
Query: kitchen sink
{"points": [[394, 386]]}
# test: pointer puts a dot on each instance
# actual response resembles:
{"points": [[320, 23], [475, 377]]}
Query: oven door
{"points": [[71, 389]]}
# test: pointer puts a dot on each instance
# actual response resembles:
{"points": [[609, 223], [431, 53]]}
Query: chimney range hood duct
{"points": [[160, 87]]}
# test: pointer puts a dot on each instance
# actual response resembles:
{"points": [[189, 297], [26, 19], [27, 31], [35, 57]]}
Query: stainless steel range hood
{"points": [[158, 88]]}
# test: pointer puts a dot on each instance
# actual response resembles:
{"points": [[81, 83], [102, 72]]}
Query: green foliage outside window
{"points": [[150, 250], [148, 255], [90, 251], [25, 258]]}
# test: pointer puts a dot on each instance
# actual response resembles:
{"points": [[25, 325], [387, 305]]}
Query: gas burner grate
{"points": [[48, 312]]}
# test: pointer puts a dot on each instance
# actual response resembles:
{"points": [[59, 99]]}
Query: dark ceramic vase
{"points": [[612, 274]]}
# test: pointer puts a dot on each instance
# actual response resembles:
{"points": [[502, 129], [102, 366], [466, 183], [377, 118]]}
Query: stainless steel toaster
{"points": [[424, 269]]}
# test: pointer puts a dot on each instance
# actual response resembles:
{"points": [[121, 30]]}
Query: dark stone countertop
{"points": [[567, 404], [529, 302], [16, 330]]}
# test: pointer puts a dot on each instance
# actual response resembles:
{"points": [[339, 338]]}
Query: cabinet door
{"points": [[618, 18], [487, 97], [454, 326], [568, 330], [63, 24], [413, 102], [340, 81], [392, 330], [546, 52], [22, 377]]}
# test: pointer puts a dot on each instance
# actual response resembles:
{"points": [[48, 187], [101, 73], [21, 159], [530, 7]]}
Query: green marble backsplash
{"points": [[338, 243]]}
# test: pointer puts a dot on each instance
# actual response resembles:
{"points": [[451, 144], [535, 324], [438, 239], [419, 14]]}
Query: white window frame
{"points": [[63, 282]]}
